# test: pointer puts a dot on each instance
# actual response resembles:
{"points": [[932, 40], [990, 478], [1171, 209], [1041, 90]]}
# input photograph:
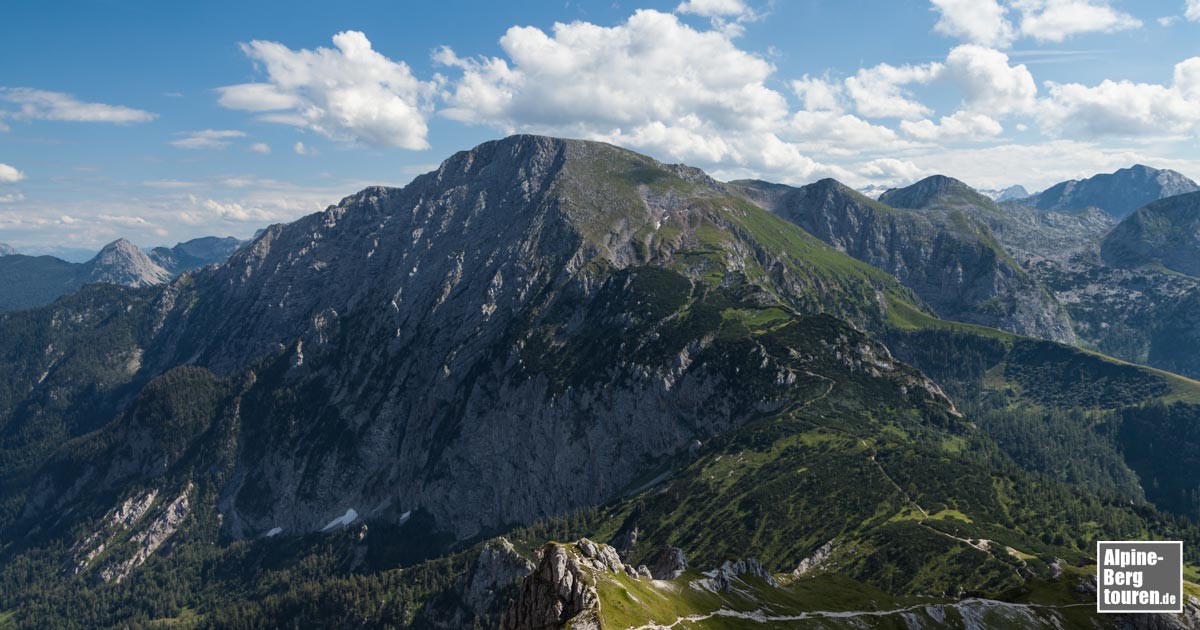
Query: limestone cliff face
{"points": [[928, 237], [122, 262], [519, 333], [562, 590]]}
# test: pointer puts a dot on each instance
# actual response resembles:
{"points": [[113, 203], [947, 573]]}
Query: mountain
{"points": [[121, 262], [931, 244], [193, 254], [1165, 232], [6, 250], [531, 270], [35, 280], [1118, 193], [1031, 235], [1012, 193], [38, 280], [379, 414], [1114, 281], [873, 191], [933, 190]]}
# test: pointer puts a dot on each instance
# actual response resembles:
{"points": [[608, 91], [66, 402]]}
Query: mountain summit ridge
{"points": [[1118, 193]]}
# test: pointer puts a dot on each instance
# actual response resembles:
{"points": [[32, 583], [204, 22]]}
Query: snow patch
{"points": [[275, 531], [342, 520]]}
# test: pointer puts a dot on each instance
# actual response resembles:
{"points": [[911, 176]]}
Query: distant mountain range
{"points": [[1118, 193], [1011, 193], [36, 280], [926, 236]]}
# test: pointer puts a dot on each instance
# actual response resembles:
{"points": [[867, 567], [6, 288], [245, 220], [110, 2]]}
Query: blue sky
{"points": [[163, 121]]}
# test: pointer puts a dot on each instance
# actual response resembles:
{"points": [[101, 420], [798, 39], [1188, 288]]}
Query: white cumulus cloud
{"points": [[1192, 10], [1126, 107], [997, 23], [818, 94], [349, 93], [1056, 20], [976, 21], [261, 147], [9, 174], [989, 84], [878, 92], [890, 171], [651, 83], [35, 104], [962, 126]]}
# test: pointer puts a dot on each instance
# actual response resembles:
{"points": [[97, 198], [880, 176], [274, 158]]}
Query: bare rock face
{"points": [[562, 589], [149, 539], [152, 527], [122, 262], [932, 238], [724, 577], [498, 567], [1189, 619], [668, 564], [814, 561], [500, 340]]}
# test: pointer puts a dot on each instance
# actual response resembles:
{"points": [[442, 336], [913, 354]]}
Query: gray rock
{"points": [[929, 236], [497, 570], [561, 591], [668, 564], [723, 578], [815, 560], [122, 262]]}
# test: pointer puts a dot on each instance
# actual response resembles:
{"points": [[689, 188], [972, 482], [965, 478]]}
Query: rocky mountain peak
{"points": [[7, 250], [122, 262], [935, 188], [1012, 193], [1118, 193]]}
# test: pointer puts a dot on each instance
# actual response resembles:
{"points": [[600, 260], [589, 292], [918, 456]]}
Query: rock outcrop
{"points": [[668, 564], [497, 570], [561, 591], [724, 577], [814, 561]]}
